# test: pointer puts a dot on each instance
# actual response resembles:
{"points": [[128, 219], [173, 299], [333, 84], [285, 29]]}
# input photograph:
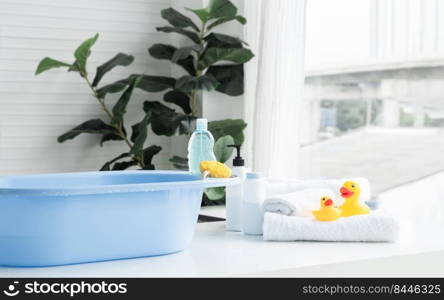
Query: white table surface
{"points": [[215, 252]]}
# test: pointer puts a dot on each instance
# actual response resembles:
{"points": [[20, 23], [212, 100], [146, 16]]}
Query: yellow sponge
{"points": [[215, 169]]}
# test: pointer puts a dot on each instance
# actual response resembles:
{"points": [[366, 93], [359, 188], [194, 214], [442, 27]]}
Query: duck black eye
{"points": [[353, 185]]}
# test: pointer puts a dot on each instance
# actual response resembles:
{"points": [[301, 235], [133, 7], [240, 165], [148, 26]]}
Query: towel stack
{"points": [[375, 227], [288, 214]]}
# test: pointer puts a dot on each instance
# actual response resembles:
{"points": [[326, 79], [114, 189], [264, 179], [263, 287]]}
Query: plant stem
{"points": [[119, 126], [194, 97], [195, 92]]}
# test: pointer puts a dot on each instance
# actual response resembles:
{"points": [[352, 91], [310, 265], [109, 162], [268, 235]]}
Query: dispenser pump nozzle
{"points": [[238, 161]]}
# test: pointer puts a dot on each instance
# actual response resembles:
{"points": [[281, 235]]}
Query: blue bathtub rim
{"points": [[110, 260], [199, 182]]}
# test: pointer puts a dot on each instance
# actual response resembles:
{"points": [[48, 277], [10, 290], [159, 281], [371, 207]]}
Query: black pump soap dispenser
{"points": [[234, 194], [238, 161]]}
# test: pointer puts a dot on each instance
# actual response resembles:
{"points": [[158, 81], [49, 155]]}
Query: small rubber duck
{"points": [[327, 212], [350, 191], [215, 169]]}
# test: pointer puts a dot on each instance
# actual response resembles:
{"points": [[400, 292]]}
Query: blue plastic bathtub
{"points": [[57, 219]]}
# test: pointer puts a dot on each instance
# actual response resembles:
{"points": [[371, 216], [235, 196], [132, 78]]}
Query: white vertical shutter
{"points": [[34, 110]]}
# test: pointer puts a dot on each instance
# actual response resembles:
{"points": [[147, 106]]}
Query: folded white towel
{"points": [[375, 227], [282, 186], [299, 203]]}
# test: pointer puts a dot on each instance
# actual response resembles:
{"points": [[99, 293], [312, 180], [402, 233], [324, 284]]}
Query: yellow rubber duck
{"points": [[350, 191], [327, 212]]}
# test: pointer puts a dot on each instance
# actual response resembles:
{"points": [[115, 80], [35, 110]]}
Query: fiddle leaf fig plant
{"points": [[113, 127], [211, 61]]}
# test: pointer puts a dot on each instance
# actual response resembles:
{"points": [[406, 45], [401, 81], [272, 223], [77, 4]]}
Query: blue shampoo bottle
{"points": [[200, 146]]}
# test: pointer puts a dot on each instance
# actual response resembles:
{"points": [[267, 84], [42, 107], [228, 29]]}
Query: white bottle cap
{"points": [[201, 124]]}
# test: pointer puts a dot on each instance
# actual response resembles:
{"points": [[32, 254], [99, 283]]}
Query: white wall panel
{"points": [[35, 110]]}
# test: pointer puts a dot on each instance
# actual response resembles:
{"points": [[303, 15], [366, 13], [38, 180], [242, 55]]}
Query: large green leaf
{"points": [[216, 9], [94, 126], [154, 84], [120, 166], [119, 108], [202, 13], [189, 34], [162, 51], [235, 55], [221, 149], [84, 51], [233, 127], [136, 129], [166, 121], [177, 19], [112, 88], [180, 163], [188, 83], [207, 82], [148, 154], [219, 40], [230, 78], [142, 134], [121, 59], [223, 20], [222, 9], [179, 98], [48, 63], [181, 53], [214, 194], [112, 137], [107, 165]]}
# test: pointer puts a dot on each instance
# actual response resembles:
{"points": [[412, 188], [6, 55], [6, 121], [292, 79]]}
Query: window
{"points": [[374, 90]]}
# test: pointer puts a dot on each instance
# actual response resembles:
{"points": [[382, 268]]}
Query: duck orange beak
{"points": [[329, 202], [346, 193]]}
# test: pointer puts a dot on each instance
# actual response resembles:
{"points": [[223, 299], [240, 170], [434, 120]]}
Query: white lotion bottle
{"points": [[234, 193], [254, 196]]}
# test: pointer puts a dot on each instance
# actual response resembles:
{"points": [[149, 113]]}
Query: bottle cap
{"points": [[254, 175], [201, 124], [238, 161]]}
